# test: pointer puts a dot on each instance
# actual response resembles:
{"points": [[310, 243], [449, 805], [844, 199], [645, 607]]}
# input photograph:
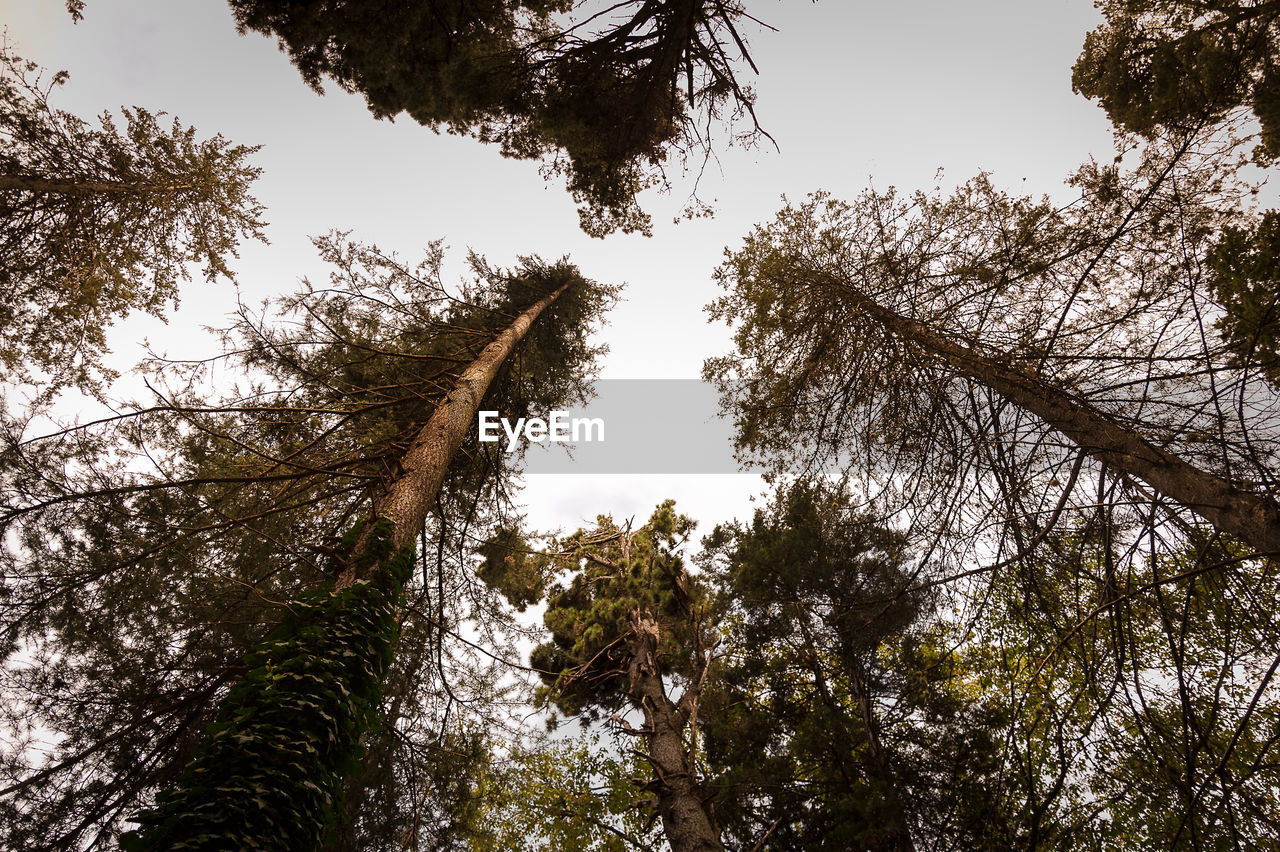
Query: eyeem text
{"points": [[558, 427]]}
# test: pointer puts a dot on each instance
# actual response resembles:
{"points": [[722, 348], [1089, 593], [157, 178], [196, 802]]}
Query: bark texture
{"points": [[685, 821], [1252, 517], [410, 495]]}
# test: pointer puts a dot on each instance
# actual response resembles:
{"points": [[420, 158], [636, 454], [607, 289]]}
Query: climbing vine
{"points": [[270, 773]]}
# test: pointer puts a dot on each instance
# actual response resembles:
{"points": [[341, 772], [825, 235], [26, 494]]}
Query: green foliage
{"points": [[1244, 267], [618, 572], [832, 718], [270, 772], [512, 568], [1175, 64], [606, 108], [1137, 688], [565, 796], [98, 222], [134, 596]]}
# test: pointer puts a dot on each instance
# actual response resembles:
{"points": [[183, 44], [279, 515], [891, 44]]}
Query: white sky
{"points": [[854, 93]]}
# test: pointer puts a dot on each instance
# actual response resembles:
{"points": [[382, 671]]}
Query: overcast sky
{"points": [[882, 92]]}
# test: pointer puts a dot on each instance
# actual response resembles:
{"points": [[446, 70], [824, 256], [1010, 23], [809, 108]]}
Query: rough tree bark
{"points": [[685, 821], [409, 497]]}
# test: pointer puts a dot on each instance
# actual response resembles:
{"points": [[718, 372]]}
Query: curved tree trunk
{"points": [[1252, 517]]}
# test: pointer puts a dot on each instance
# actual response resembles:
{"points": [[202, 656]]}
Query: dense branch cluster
{"points": [[99, 221], [608, 94]]}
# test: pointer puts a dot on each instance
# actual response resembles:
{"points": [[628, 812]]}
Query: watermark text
{"points": [[559, 427]]}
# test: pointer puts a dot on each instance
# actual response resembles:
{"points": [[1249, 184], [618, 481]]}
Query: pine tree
{"points": [[833, 720], [630, 618], [235, 534], [952, 340], [96, 222]]}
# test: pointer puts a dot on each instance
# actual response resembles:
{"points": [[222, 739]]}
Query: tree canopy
{"points": [[1179, 64], [165, 583], [608, 94], [1014, 587], [96, 222], [1038, 395]]}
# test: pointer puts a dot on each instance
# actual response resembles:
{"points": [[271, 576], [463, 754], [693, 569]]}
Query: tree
{"points": [[1037, 394], [832, 721], [1139, 692], [1170, 66], [564, 795], [234, 533], [101, 221], [908, 333], [1175, 64], [629, 618], [1242, 266], [608, 106]]}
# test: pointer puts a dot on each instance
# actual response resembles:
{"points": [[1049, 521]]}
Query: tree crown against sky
{"points": [[1162, 67], [1095, 579], [607, 95], [800, 715], [874, 330], [161, 581], [630, 632], [1175, 64], [101, 221], [943, 351]]}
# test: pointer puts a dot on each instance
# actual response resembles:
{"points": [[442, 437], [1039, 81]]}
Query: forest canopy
{"points": [[1009, 582]]}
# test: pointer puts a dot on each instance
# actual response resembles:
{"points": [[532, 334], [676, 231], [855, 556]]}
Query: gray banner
{"points": [[631, 426]]}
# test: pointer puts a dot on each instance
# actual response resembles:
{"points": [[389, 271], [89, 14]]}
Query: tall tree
{"points": [[832, 721], [630, 618], [1038, 392], [911, 332], [607, 97], [96, 222], [239, 517]]}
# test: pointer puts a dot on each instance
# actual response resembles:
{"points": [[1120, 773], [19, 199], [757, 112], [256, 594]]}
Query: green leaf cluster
{"points": [[1244, 277], [568, 795], [270, 773], [1173, 64], [616, 572], [833, 722]]}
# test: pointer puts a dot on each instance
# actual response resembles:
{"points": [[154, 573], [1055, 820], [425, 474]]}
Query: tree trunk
{"points": [[1252, 517], [271, 771], [411, 494], [680, 804]]}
